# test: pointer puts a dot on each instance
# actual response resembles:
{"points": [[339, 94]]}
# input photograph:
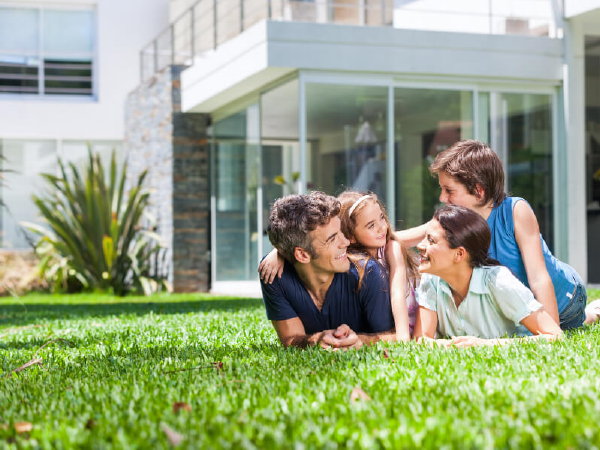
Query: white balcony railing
{"points": [[209, 23]]}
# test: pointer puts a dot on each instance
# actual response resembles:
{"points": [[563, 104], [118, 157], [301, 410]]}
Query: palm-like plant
{"points": [[96, 239]]}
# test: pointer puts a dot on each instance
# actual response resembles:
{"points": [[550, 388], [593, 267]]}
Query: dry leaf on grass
{"points": [[23, 427], [33, 362], [178, 406], [91, 423], [173, 436], [386, 355], [358, 394]]}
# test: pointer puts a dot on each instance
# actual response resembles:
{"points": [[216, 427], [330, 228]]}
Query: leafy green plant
{"points": [[97, 239]]}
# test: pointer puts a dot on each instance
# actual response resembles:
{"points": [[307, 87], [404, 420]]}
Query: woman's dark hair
{"points": [[465, 228]]}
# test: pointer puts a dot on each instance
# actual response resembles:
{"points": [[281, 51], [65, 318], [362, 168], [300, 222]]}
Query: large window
{"points": [[352, 132], [526, 144], [426, 122], [46, 51], [235, 182], [346, 138]]}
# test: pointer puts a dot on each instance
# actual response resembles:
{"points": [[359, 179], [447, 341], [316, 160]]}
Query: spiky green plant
{"points": [[96, 239]]}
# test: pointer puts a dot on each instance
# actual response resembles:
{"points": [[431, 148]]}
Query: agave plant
{"points": [[97, 239]]}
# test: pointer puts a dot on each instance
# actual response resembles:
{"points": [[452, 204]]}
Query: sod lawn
{"points": [[196, 371]]}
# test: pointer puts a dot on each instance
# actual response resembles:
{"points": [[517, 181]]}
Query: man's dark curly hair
{"points": [[294, 216]]}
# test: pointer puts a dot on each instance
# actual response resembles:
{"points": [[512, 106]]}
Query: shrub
{"points": [[19, 273], [98, 239]]}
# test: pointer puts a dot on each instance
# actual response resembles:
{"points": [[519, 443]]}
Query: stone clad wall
{"points": [[173, 146]]}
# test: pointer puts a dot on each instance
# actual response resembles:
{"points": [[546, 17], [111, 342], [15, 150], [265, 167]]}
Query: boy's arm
{"points": [[527, 235]]}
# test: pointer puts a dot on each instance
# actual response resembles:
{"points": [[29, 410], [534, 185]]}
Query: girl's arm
{"points": [[395, 257], [411, 236], [271, 265], [527, 235]]}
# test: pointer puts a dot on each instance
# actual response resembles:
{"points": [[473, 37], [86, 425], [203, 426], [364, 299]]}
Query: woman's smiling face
{"points": [[436, 255]]}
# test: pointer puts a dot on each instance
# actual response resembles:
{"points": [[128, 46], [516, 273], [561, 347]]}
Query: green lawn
{"points": [[112, 369]]}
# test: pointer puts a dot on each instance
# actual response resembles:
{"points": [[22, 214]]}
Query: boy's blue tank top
{"points": [[504, 248]]}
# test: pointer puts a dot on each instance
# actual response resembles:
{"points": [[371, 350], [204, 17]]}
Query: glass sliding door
{"points": [[280, 149], [592, 151], [235, 179], [346, 138], [255, 160], [426, 121], [525, 143]]}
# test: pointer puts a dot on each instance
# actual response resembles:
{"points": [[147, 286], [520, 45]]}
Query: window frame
{"points": [[41, 56]]}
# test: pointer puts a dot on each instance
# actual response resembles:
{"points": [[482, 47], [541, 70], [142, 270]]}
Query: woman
{"points": [[465, 293]]}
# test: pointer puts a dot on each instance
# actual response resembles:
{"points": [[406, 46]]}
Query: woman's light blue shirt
{"points": [[494, 306]]}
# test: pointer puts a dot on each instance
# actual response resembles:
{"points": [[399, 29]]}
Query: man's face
{"points": [[329, 245]]}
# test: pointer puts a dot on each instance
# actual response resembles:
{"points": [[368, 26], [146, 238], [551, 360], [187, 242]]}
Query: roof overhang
{"points": [[270, 50]]}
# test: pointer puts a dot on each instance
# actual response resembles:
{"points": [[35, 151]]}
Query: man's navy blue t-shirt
{"points": [[367, 310]]}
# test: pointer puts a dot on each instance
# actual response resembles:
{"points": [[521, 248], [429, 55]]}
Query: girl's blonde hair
{"points": [[352, 202]]}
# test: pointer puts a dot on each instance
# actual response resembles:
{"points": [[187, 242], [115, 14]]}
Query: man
{"points": [[317, 300]]}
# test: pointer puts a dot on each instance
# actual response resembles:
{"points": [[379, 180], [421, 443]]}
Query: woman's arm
{"points": [[426, 323], [395, 257], [527, 235], [538, 322], [271, 266], [411, 236]]}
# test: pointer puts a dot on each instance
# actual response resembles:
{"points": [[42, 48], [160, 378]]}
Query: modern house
{"points": [[242, 101], [272, 97], [65, 70]]}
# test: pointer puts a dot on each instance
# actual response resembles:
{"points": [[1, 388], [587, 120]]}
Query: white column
{"points": [[574, 123]]}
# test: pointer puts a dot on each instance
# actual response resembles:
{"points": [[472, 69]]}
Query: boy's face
{"points": [[454, 192]]}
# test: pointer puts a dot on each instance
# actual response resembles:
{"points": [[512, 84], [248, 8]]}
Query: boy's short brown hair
{"points": [[473, 163]]}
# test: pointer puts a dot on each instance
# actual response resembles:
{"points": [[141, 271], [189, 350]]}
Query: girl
{"points": [[465, 293], [470, 174], [365, 224]]}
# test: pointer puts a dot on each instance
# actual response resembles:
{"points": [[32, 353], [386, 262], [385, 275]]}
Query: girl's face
{"points": [[437, 258], [371, 226], [453, 192]]}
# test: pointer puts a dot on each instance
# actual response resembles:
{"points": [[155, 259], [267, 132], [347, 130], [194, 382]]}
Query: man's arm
{"points": [[291, 332]]}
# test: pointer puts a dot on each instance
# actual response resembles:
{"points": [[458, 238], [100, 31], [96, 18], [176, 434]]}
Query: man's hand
{"points": [[343, 337]]}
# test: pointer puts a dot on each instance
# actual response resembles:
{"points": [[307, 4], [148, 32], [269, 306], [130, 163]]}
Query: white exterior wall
{"points": [[269, 50], [123, 28]]}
